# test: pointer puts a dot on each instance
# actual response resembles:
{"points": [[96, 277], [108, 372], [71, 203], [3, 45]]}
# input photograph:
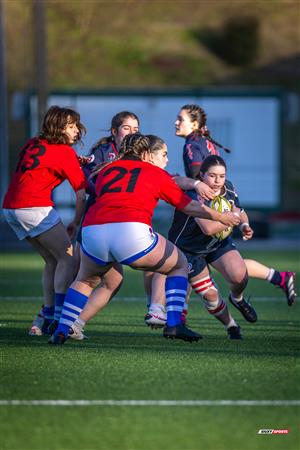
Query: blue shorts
{"points": [[196, 263], [31, 222]]}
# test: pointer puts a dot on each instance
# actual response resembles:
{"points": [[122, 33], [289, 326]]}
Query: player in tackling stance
{"points": [[44, 163], [117, 228]]}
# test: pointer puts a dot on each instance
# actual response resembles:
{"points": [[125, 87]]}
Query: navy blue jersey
{"points": [[100, 154], [187, 235], [105, 152], [195, 150]]}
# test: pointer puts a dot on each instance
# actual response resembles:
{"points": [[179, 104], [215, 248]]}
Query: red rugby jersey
{"points": [[128, 191], [42, 167]]}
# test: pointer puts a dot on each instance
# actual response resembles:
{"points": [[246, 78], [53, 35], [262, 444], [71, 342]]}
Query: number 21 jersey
{"points": [[42, 167], [128, 191]]}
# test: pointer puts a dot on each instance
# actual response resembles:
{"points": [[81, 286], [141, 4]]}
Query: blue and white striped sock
{"points": [[59, 301], [73, 305], [176, 289]]}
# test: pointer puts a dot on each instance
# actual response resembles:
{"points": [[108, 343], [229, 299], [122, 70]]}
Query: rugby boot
{"points": [[156, 317], [245, 309], [181, 332], [76, 333], [37, 324], [288, 286], [234, 332], [46, 324], [57, 339]]}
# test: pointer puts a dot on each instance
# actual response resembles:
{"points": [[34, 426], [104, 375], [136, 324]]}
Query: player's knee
{"points": [[182, 262], [214, 307], [112, 283], [50, 263], [91, 281], [69, 264], [116, 287], [240, 282]]}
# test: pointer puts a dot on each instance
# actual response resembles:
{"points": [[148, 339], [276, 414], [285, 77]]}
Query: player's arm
{"points": [[79, 211], [244, 227], [195, 170], [197, 209], [210, 227], [201, 188], [171, 193]]}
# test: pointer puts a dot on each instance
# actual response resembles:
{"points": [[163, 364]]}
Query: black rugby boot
{"points": [[181, 332], [245, 309]]}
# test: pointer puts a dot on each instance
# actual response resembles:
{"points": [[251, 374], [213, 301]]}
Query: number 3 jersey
{"points": [[128, 191], [42, 167]]}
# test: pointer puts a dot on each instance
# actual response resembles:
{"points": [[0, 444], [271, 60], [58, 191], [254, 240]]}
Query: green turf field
{"points": [[125, 361]]}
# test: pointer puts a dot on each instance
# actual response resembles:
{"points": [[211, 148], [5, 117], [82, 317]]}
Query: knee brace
{"points": [[215, 307], [202, 285]]}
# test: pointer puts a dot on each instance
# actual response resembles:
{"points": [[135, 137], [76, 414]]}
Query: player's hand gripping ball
{"points": [[220, 204]]}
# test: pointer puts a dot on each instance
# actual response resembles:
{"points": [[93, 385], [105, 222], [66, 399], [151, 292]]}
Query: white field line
{"points": [[149, 402], [129, 299]]}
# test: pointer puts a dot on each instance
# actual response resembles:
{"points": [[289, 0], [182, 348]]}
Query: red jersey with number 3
{"points": [[42, 167], [128, 191]]}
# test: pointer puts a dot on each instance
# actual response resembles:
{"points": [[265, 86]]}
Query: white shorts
{"points": [[30, 222], [123, 242]]}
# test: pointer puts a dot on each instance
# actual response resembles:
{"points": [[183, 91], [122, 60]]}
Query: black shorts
{"points": [[196, 263]]}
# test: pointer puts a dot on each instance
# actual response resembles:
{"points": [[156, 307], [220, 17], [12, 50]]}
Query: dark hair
{"points": [[55, 121], [197, 114], [134, 145], [156, 143], [116, 122], [212, 160]]}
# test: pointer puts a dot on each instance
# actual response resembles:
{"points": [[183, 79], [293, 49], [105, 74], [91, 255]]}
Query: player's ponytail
{"points": [[197, 114], [210, 139]]}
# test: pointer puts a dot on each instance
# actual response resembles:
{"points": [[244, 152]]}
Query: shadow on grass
{"points": [[251, 346]]}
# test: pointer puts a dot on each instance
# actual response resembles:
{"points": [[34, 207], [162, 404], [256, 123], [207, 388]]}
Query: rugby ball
{"points": [[221, 204]]}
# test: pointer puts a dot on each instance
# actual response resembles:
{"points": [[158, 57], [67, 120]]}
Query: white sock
{"points": [[236, 299], [231, 323], [157, 307], [270, 274], [79, 323]]}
